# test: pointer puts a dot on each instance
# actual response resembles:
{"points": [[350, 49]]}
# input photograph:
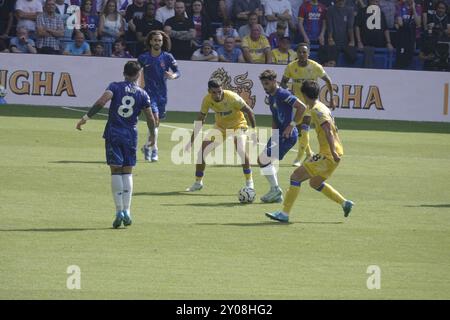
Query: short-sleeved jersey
{"points": [[257, 48], [228, 114], [320, 114], [282, 108], [127, 103], [312, 71], [154, 69]]}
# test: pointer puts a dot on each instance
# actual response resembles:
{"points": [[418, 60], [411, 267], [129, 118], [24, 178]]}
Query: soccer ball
{"points": [[2, 91], [246, 195]]}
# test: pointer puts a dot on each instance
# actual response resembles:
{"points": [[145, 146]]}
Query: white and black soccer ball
{"points": [[246, 195], [2, 91]]}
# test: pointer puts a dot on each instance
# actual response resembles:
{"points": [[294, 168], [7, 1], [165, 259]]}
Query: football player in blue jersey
{"points": [[287, 111], [158, 66], [120, 134]]}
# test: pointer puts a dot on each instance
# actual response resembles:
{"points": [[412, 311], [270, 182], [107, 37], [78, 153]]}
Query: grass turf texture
{"points": [[57, 211]]}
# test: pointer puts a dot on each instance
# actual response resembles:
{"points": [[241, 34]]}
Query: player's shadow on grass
{"points": [[75, 161], [266, 223], [430, 206], [53, 229], [209, 204], [179, 193]]}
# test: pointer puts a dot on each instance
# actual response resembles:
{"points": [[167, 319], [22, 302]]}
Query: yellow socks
{"points": [[331, 193], [291, 196]]}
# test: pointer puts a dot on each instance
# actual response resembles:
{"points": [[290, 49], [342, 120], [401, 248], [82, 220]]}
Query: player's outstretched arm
{"points": [[98, 105], [300, 109], [327, 80], [284, 82], [330, 138], [200, 118]]}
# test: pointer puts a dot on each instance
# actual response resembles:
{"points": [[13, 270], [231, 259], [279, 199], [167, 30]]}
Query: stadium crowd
{"points": [[411, 34]]}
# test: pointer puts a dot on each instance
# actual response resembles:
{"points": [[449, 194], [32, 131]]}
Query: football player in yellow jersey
{"points": [[300, 70], [319, 167], [229, 110]]}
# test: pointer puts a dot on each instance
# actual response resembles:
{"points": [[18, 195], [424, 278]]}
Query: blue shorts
{"points": [[121, 150], [279, 150], [158, 105]]}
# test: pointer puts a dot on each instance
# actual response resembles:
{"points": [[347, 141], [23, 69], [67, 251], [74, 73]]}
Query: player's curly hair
{"points": [[268, 75], [167, 43]]}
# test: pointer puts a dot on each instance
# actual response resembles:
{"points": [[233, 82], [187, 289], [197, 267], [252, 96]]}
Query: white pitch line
{"points": [[161, 124]]}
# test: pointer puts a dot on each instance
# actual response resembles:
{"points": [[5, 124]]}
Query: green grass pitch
{"points": [[57, 209]]}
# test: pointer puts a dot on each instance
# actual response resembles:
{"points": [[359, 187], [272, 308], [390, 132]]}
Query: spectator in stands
{"points": [[166, 12], [256, 47], [275, 37], [340, 20], [78, 47], [435, 46], [388, 8], [111, 24], [371, 35], [22, 43], [98, 49], [215, 10], [439, 22], [144, 26], [242, 9], [277, 10], [49, 29], [133, 14], [62, 9], [205, 53], [26, 14], [229, 52], [89, 22], [202, 24], [6, 19], [226, 31], [181, 31], [428, 10], [407, 22], [245, 29], [312, 22], [284, 54], [120, 49]]}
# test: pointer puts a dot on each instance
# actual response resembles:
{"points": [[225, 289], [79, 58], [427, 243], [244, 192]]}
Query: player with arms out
{"points": [[300, 70], [120, 134], [318, 168], [287, 110], [158, 66], [229, 110]]}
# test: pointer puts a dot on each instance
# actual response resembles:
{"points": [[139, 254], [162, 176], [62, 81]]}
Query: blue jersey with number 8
{"points": [[127, 103]]}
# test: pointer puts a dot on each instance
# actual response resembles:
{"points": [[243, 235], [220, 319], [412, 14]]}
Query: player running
{"points": [[158, 66], [300, 70], [127, 102], [229, 110], [287, 111], [319, 167]]}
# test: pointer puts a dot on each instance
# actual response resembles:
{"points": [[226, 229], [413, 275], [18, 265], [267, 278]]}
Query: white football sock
{"points": [[271, 175], [117, 190], [127, 179]]}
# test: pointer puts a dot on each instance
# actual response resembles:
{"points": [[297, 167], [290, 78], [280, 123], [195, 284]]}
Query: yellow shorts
{"points": [[237, 131], [320, 165]]}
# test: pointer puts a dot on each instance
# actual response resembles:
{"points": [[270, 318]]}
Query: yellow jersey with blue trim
{"points": [[228, 114], [320, 114], [298, 74]]}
